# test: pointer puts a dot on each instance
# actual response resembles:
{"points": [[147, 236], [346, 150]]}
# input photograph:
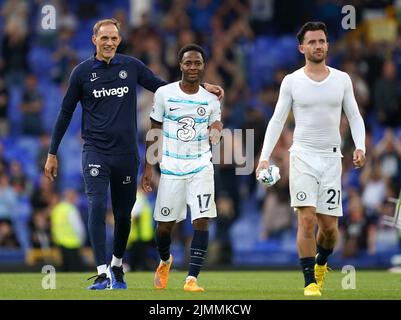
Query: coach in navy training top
{"points": [[107, 92], [106, 84]]}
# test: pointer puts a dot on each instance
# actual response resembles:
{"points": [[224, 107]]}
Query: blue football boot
{"points": [[102, 282], [117, 278]]}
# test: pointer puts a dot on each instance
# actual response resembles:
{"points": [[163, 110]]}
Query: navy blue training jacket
{"points": [[107, 93]]}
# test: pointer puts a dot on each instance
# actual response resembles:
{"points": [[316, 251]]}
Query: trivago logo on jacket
{"points": [[119, 92]]}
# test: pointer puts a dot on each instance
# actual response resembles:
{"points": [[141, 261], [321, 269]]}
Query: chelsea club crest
{"points": [[201, 111], [94, 172]]}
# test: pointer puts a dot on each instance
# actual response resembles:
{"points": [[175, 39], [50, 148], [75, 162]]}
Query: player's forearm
{"points": [[358, 132], [273, 132], [278, 119], [217, 125], [155, 126], [215, 132], [353, 115], [148, 163], [62, 123]]}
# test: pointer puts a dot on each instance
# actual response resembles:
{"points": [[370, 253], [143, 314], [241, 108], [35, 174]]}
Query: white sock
{"points": [[190, 277], [167, 261], [101, 269], [115, 262]]}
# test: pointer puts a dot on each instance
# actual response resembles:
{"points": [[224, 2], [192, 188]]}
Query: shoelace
{"points": [[118, 273], [99, 277]]}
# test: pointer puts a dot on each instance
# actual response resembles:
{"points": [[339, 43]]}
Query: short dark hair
{"points": [[311, 26], [191, 47]]}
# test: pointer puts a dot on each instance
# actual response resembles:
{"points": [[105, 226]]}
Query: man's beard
{"points": [[314, 59]]}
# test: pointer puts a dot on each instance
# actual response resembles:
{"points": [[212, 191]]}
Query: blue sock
{"points": [[308, 268], [322, 255], [97, 205], [163, 245], [198, 252]]}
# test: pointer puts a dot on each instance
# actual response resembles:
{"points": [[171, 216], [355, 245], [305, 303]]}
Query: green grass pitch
{"points": [[223, 285]]}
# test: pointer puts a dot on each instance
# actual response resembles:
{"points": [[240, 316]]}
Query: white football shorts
{"points": [[315, 181], [197, 191]]}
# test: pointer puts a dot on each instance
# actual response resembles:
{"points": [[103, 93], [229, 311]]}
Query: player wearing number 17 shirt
{"points": [[317, 94], [189, 118]]}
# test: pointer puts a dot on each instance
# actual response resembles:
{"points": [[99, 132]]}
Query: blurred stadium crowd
{"points": [[250, 46]]}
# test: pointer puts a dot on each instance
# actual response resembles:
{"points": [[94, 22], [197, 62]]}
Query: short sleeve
{"points": [[158, 107], [215, 114]]}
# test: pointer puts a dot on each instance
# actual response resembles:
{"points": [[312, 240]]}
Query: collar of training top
{"points": [[100, 63]]}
